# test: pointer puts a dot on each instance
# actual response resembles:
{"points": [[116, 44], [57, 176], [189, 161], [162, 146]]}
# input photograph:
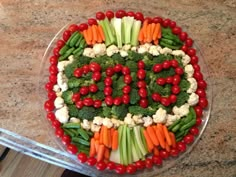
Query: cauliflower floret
{"points": [[86, 124], [123, 53], [62, 81], [171, 119], [137, 119], [134, 48], [64, 87], [153, 50], [88, 52], [126, 47], [185, 60], [59, 102], [116, 122], [99, 49], [56, 88], [178, 53], [95, 128], [98, 120], [74, 120], [160, 116], [112, 50], [147, 121], [107, 122], [193, 85], [62, 114], [71, 59], [59, 94], [144, 48], [182, 110], [193, 99], [165, 51], [61, 65], [129, 121], [189, 70]]}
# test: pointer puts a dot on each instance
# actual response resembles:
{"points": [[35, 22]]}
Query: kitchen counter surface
{"points": [[27, 26]]}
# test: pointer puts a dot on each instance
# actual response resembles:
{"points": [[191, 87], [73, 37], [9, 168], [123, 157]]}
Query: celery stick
{"points": [[117, 27], [129, 146], [115, 156], [135, 149], [135, 32], [139, 140], [107, 39], [124, 146], [108, 27], [128, 24], [120, 130], [135, 156], [123, 30], [139, 153]]}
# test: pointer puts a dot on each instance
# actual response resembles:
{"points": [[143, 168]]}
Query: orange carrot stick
{"points": [[107, 153], [109, 138], [167, 136], [148, 140], [156, 151], [141, 36], [156, 31], [167, 147], [95, 34], [152, 135], [145, 24], [149, 33], [101, 151], [85, 34], [105, 136], [90, 33], [96, 145], [160, 136], [101, 135], [101, 33], [92, 151], [96, 135], [173, 140], [152, 28], [115, 140], [156, 41], [161, 129], [159, 34]]}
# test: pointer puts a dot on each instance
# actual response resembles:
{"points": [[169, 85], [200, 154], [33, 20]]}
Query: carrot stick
{"points": [[148, 140], [107, 153], [112, 131], [101, 33], [96, 136], [156, 151], [172, 136], [85, 34], [159, 34], [115, 140], [152, 135], [152, 28], [160, 136], [156, 31], [161, 129], [167, 136], [95, 34], [96, 145], [101, 135], [167, 147], [101, 151], [92, 151], [90, 33], [141, 36], [149, 33], [109, 137], [105, 136], [145, 24], [156, 41]]}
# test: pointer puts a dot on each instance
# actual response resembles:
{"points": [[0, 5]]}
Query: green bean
{"points": [[179, 139], [80, 141], [174, 124], [169, 46], [64, 49], [83, 43], [74, 40], [79, 41], [83, 133], [188, 125], [77, 50], [71, 134], [186, 131], [67, 54], [79, 53], [179, 134], [168, 41], [71, 37], [71, 125], [175, 128]]}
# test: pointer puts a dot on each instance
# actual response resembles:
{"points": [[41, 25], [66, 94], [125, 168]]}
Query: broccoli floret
{"points": [[98, 95], [132, 66], [67, 96], [87, 113], [73, 82], [107, 111], [179, 59], [136, 110], [166, 73], [184, 85], [69, 69], [118, 58], [82, 60], [134, 96], [132, 55], [73, 111], [119, 111], [182, 97], [119, 83], [148, 63], [100, 86]]}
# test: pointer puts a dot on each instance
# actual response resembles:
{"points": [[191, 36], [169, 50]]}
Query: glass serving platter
{"points": [[70, 161]]}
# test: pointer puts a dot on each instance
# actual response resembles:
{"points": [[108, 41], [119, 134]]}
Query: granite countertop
{"points": [[27, 26]]}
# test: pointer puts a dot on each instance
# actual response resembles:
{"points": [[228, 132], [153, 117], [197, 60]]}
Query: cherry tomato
{"points": [[148, 163], [66, 35], [53, 60], [173, 98], [201, 93], [127, 79], [71, 148], [131, 14], [161, 81], [140, 164], [179, 71], [196, 67], [120, 13], [109, 71], [109, 100], [194, 131], [181, 146], [110, 14], [202, 84], [100, 16], [157, 160], [189, 42], [56, 51], [84, 90], [56, 124], [97, 103], [203, 102], [88, 102], [108, 81], [176, 79], [165, 101], [188, 139], [125, 70], [166, 22], [96, 76], [75, 97], [60, 43], [166, 64], [142, 92], [111, 165], [101, 166], [198, 121], [157, 68], [78, 72], [174, 63], [174, 152], [169, 80], [126, 99], [131, 169], [141, 84], [198, 75], [191, 52], [194, 60], [156, 97], [143, 103], [120, 169], [148, 19], [93, 88], [82, 157], [91, 161], [107, 91], [53, 69], [139, 16], [118, 68], [66, 140], [198, 111], [175, 89], [126, 89], [183, 36], [53, 79], [164, 154], [85, 69], [92, 21], [117, 101], [94, 67], [59, 132], [157, 20], [83, 26], [176, 30], [184, 48], [73, 28], [172, 24], [49, 105], [141, 64], [79, 104], [51, 116], [141, 74]]}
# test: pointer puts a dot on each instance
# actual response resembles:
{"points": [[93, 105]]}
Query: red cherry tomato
{"points": [[120, 169], [148, 163], [56, 124], [184, 48], [71, 148], [157, 20], [142, 92], [143, 103], [179, 71], [75, 97], [141, 64], [92, 21], [201, 93], [100, 16], [198, 111], [175, 89], [73, 28], [53, 69], [66, 140], [79, 104], [156, 97], [148, 19], [108, 100], [126, 99], [111, 165], [127, 79], [194, 131], [49, 105], [118, 68], [131, 169], [176, 30], [166, 23], [172, 24], [131, 14], [173, 98], [125, 70], [83, 26], [174, 152], [91, 161], [93, 88], [189, 42], [202, 84], [165, 101], [191, 52], [161, 81], [126, 89], [51, 116], [196, 67], [203, 102], [60, 43], [108, 81], [169, 80], [53, 60], [97, 103], [101, 166], [53, 79], [85, 69], [157, 68], [94, 67], [194, 60], [117, 101], [66, 35], [164, 154], [59, 132], [82, 157], [181, 146], [198, 121], [157, 160], [96, 76], [183, 36], [107, 91], [166, 64], [198, 75], [110, 14], [141, 74], [141, 84], [188, 139], [176, 79], [140, 164], [88, 102], [56, 51], [174, 63], [78, 72], [109, 71], [120, 13], [139, 16], [84, 90]]}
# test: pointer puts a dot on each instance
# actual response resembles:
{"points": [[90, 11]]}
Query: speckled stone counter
{"points": [[27, 26]]}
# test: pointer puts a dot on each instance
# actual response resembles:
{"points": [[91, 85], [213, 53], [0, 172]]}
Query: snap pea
{"points": [[83, 133], [168, 41], [169, 46], [175, 128], [179, 139], [174, 124], [83, 43], [64, 49], [188, 125], [80, 140], [71, 125], [71, 134], [74, 39], [67, 54], [79, 41], [79, 53], [186, 131], [179, 134], [77, 50], [71, 37]]}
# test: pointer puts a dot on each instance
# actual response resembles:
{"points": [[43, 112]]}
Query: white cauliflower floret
{"points": [[134, 48], [185, 60], [182, 110], [62, 81], [137, 119], [107, 122], [99, 49], [112, 50], [126, 47], [171, 119], [153, 50], [61, 65], [95, 128], [64, 87], [74, 120], [98, 120], [123, 53], [116, 122], [56, 88], [71, 58], [193, 99], [189, 70], [178, 53], [88, 52], [129, 121], [86, 124], [59, 102], [147, 121], [59, 94], [193, 85], [165, 51], [160, 116], [144, 48], [62, 114]]}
